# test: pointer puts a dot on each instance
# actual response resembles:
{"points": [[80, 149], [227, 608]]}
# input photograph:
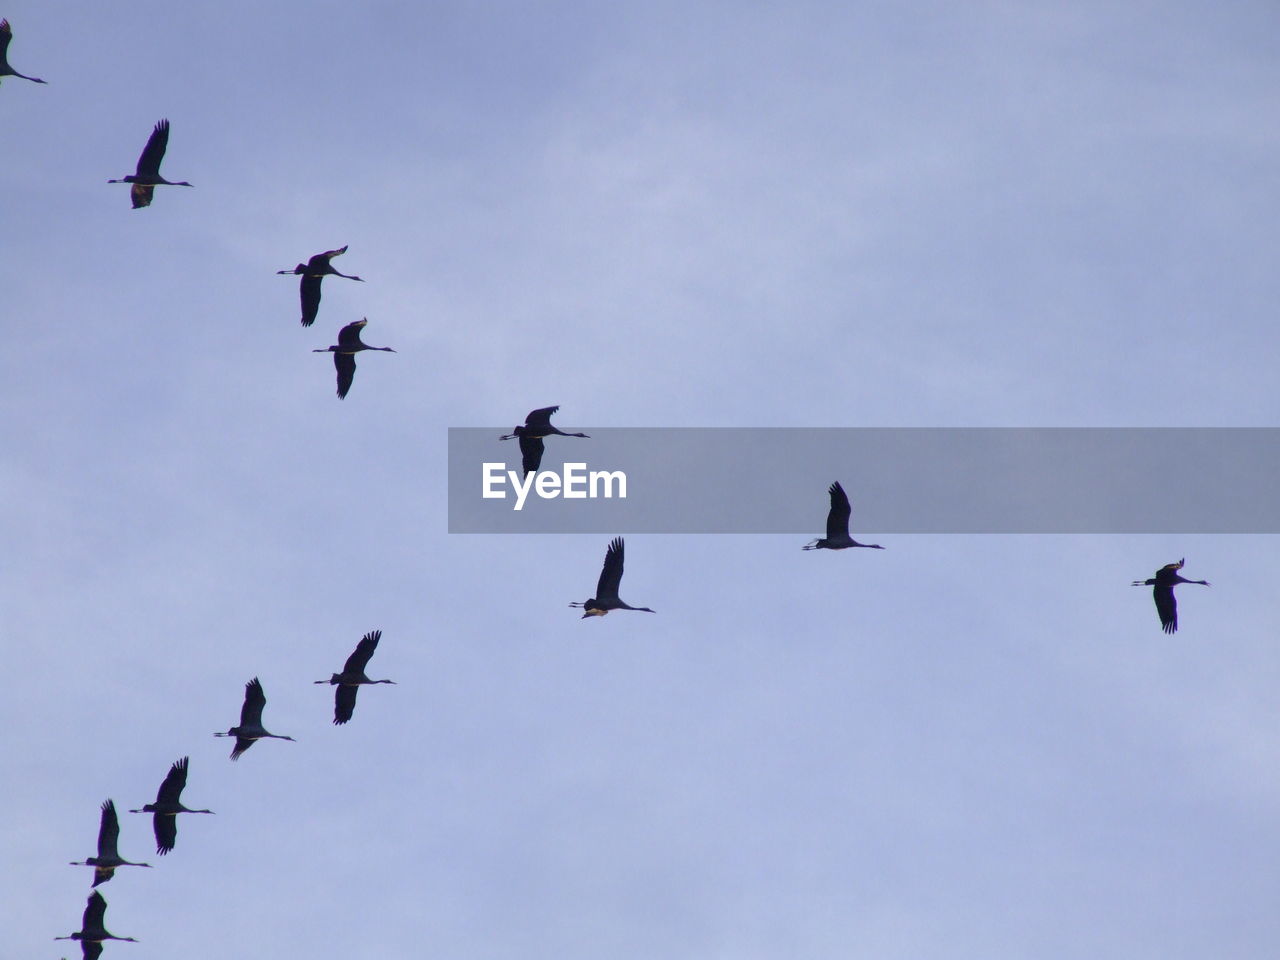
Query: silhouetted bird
{"points": [[92, 932], [167, 807], [1166, 578], [312, 272], [250, 729], [536, 426], [606, 597], [6, 34], [108, 859], [352, 677], [344, 354], [147, 177], [837, 537]]}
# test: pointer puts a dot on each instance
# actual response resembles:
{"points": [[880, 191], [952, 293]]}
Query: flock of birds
{"points": [[531, 435]]}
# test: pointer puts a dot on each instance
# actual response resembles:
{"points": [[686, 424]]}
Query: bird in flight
{"points": [[344, 354], [312, 272], [147, 176], [353, 677], [837, 537], [250, 729], [1162, 584], [108, 859], [6, 34], [167, 807], [606, 597], [92, 931], [536, 426]]}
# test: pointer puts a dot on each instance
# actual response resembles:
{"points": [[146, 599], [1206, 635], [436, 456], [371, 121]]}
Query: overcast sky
{"points": [[660, 214]]}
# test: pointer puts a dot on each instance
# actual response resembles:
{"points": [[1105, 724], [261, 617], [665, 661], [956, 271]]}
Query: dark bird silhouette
{"points": [[167, 807], [837, 537], [606, 597], [312, 272], [1166, 578], [536, 426], [250, 729], [352, 677], [147, 176], [92, 932], [108, 859], [344, 354], [6, 34]]}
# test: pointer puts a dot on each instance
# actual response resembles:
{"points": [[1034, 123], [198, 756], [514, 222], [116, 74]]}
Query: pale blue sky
{"points": [[703, 214]]}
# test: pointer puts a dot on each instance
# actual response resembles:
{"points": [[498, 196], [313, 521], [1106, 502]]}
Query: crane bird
{"points": [[108, 859], [1166, 578], [92, 931], [147, 176], [837, 537], [250, 728], [312, 272], [352, 676], [536, 426], [168, 806], [344, 354], [606, 597], [6, 34]]}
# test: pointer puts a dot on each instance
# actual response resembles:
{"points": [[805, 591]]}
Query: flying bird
{"points": [[92, 932], [108, 859], [344, 354], [250, 728], [536, 426], [147, 177], [606, 597], [6, 34], [352, 676], [837, 537], [168, 806], [312, 272], [1166, 578]]}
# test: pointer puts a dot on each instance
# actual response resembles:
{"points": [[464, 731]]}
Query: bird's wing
{"points": [[140, 195], [611, 574], [838, 517], [153, 152], [94, 912], [345, 364], [254, 701], [531, 453], [309, 293], [92, 949], [363, 651], [329, 255], [6, 34], [108, 830], [540, 417], [344, 702], [1167, 607], [102, 874], [176, 779], [349, 336], [166, 831], [242, 744]]}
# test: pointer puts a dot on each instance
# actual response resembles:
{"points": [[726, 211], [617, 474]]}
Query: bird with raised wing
{"points": [[108, 859], [353, 677], [606, 597], [6, 34], [536, 426], [344, 354], [92, 930], [167, 807], [250, 729], [312, 272], [147, 177], [837, 537], [1162, 584]]}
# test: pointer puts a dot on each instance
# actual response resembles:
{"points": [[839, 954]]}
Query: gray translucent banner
{"points": [[899, 480]]}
